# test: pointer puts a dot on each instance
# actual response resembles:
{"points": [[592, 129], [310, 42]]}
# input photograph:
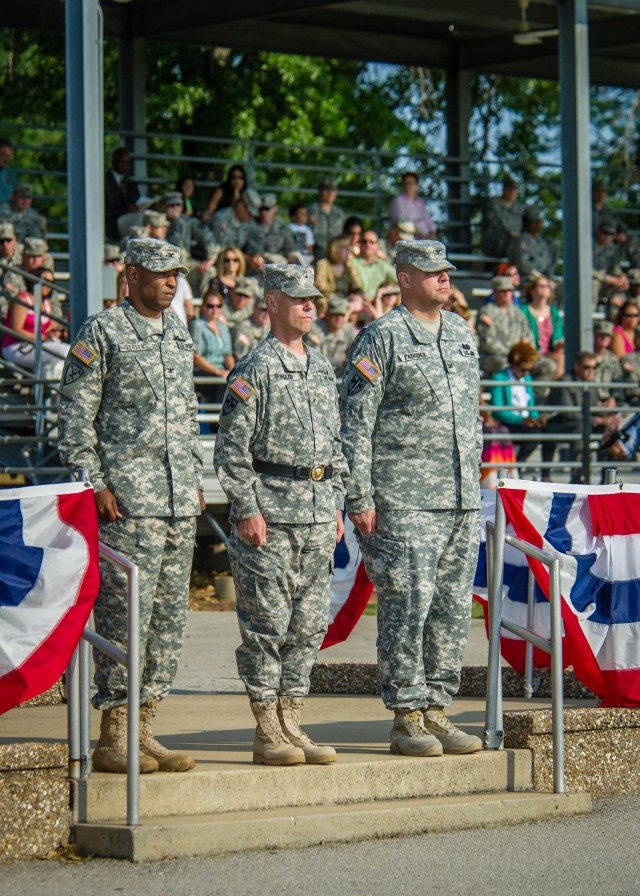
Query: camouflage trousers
{"points": [[422, 564], [163, 549], [282, 599]]}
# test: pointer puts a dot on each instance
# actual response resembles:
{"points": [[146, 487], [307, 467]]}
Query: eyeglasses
{"points": [[525, 369], [232, 260], [7, 239], [631, 313], [589, 367], [371, 242], [212, 306]]}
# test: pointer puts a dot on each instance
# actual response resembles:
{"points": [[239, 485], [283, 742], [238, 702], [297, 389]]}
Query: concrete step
{"points": [[102, 797], [170, 837]]}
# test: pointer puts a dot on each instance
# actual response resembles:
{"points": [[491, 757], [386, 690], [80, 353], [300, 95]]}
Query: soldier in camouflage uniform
{"points": [[128, 416], [236, 225], [248, 333], [333, 335], [608, 369], [499, 326], [279, 460], [10, 257], [326, 218], [273, 240], [502, 219], [25, 219], [608, 276], [413, 438], [531, 251]]}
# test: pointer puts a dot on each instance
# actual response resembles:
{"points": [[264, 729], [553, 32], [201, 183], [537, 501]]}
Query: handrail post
{"points": [[555, 599], [586, 435], [133, 696], [528, 653], [73, 716], [83, 690], [493, 724]]}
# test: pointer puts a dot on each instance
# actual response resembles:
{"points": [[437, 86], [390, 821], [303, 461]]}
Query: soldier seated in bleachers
{"points": [[19, 211]]}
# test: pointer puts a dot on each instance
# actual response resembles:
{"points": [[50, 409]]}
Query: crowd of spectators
{"points": [[228, 236]]}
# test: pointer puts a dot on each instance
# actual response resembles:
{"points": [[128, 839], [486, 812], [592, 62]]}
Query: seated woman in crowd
{"points": [[186, 185], [336, 274], [546, 325], [211, 337], [514, 387], [226, 193], [21, 317], [230, 269], [626, 320]]}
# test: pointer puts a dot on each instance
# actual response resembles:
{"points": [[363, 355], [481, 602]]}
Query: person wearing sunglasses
{"points": [[211, 338], [373, 270], [10, 257], [625, 323]]}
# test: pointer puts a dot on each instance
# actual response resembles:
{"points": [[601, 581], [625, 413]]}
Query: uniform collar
{"points": [[143, 328], [289, 361], [420, 333]]}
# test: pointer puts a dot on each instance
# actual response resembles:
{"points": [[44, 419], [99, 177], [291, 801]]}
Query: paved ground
{"points": [[594, 854]]}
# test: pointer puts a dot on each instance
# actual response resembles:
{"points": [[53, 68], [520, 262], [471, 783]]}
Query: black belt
{"points": [[316, 473]]}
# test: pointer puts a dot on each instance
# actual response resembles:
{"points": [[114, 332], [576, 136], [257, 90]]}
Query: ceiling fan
{"points": [[525, 37]]}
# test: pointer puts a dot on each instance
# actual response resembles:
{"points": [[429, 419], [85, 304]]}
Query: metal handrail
{"points": [[78, 689], [497, 537]]}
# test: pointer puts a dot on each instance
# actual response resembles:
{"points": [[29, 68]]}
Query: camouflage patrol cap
{"points": [[261, 302], [136, 231], [111, 252], [6, 230], [633, 275], [533, 213], [603, 328], [244, 292], [328, 183], [154, 255], [429, 256], [173, 197], [291, 279], [23, 189], [252, 200], [33, 245], [338, 305], [268, 200], [500, 283], [155, 219], [607, 225]]}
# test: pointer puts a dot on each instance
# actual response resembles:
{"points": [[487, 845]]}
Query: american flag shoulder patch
{"points": [[84, 353], [241, 387], [367, 368]]}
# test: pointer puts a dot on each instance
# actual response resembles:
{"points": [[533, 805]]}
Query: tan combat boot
{"points": [[168, 760], [270, 746], [409, 737], [289, 709], [453, 740], [110, 754]]}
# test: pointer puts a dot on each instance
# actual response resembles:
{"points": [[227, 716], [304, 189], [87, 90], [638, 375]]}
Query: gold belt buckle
{"points": [[317, 473]]}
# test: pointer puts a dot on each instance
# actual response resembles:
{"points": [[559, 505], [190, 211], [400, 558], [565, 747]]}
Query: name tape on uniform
{"points": [[367, 368], [242, 389], [84, 353]]}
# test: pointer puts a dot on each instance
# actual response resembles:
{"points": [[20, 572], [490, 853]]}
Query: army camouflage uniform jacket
{"points": [[411, 431], [128, 412], [280, 409]]}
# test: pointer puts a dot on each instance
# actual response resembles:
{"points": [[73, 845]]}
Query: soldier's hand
{"points": [[107, 506], [253, 530], [203, 503], [339, 526], [365, 522]]}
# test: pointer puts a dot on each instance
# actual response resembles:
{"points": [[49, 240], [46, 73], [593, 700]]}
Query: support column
{"points": [[573, 53], [132, 93], [458, 169], [85, 171]]}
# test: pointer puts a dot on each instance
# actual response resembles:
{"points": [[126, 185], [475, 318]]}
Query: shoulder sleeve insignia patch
{"points": [[367, 368], [356, 384], [72, 373], [242, 389], [84, 353], [230, 403]]}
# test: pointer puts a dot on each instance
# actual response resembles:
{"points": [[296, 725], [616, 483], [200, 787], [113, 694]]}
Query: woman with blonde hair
{"points": [[546, 325], [230, 270], [336, 274]]}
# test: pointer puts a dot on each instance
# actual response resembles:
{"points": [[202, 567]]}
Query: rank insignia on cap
{"points": [[84, 353], [242, 389], [367, 368]]}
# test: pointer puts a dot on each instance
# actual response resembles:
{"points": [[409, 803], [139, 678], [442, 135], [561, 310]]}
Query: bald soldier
{"points": [[412, 438], [279, 460], [128, 416]]}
